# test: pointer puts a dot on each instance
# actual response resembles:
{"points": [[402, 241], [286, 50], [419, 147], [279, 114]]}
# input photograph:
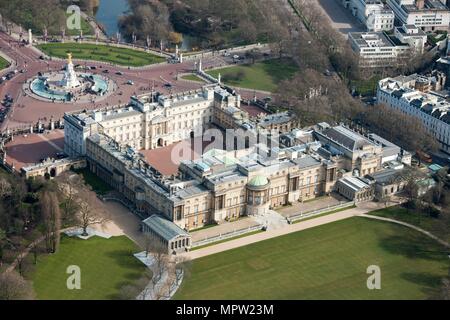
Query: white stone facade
{"points": [[147, 124], [431, 109], [429, 15]]}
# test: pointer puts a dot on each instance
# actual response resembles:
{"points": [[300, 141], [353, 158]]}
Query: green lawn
{"points": [[192, 77], [264, 75], [326, 262], [97, 184], [106, 265], [3, 63], [437, 226], [103, 53], [85, 26], [366, 87]]}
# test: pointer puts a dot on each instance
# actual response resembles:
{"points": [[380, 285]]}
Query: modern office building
{"points": [[378, 49], [428, 15]]}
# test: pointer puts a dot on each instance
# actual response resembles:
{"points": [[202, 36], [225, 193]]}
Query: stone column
{"points": [[30, 37]]}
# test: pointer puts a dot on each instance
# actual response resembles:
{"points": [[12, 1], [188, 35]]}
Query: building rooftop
{"points": [[164, 228], [430, 103], [371, 39], [388, 176], [345, 137], [354, 183]]}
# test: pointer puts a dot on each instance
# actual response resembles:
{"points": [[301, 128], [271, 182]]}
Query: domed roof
{"points": [[258, 181]]}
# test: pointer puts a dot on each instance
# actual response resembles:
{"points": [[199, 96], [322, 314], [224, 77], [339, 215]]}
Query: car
{"points": [[168, 85], [235, 56], [60, 155], [93, 68], [105, 71], [119, 73], [41, 57], [130, 82]]}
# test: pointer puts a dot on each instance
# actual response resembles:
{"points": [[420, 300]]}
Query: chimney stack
{"points": [[420, 4]]}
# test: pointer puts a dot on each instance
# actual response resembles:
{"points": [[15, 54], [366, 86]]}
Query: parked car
{"points": [[130, 82], [119, 73], [60, 155]]}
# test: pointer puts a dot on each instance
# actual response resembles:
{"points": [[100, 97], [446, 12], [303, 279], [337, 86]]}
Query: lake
{"points": [[108, 14]]}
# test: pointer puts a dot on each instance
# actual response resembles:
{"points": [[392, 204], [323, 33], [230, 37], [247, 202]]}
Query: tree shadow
{"points": [[429, 283], [120, 256], [413, 247]]}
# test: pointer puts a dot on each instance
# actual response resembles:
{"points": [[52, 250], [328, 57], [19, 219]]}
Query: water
{"points": [[100, 87], [108, 14], [190, 43]]}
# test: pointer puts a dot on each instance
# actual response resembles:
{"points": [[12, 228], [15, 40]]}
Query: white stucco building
{"points": [[149, 122], [372, 13], [432, 109], [429, 15]]}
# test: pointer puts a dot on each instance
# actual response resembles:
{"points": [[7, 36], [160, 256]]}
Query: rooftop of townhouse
{"points": [[429, 103]]}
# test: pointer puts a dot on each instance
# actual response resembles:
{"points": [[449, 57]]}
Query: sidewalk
{"points": [[280, 232], [359, 211]]}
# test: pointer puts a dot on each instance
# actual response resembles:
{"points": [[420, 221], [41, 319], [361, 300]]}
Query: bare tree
{"points": [[14, 287], [90, 213], [5, 187], [161, 258], [3, 239], [52, 220], [69, 186]]}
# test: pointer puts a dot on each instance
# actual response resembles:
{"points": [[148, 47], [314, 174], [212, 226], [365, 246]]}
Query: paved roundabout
{"points": [[29, 108]]}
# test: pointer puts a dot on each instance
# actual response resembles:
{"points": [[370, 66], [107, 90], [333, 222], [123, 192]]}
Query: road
{"points": [[340, 18], [361, 209], [26, 110]]}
